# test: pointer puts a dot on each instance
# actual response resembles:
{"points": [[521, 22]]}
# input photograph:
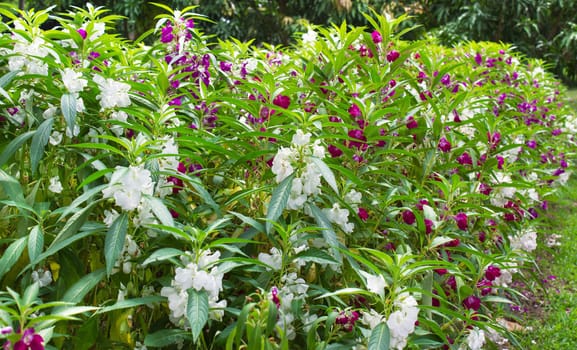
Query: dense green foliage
{"points": [[352, 190], [540, 29]]}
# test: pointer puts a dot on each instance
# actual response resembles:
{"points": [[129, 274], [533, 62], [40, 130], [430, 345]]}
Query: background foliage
{"points": [[540, 29]]}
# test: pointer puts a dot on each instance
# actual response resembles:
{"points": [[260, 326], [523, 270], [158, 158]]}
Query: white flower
{"points": [[55, 185], [49, 112], [112, 93], [353, 197], [526, 240], [310, 37], [300, 138], [340, 217], [127, 185], [55, 138], [43, 277], [401, 322], [274, 259], [73, 81], [282, 163], [375, 283], [110, 216], [74, 132], [476, 339], [372, 318], [120, 116]]}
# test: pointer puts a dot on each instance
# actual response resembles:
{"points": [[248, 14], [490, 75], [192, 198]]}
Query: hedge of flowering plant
{"points": [[353, 191]]}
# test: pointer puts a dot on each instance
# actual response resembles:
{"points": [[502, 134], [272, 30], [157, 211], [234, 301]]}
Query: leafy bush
{"points": [[354, 190]]}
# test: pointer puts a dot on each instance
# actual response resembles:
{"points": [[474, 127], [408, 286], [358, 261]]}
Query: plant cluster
{"points": [[352, 191]]}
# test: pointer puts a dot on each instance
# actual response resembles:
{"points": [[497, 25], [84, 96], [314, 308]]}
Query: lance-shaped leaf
{"points": [[327, 173], [68, 106], [380, 338], [114, 242], [329, 233], [35, 242], [278, 201], [197, 311], [11, 255], [39, 142]]}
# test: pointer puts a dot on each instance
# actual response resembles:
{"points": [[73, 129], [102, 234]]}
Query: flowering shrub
{"points": [[353, 191]]}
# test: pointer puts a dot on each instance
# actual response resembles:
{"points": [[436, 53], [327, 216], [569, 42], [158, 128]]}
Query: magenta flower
{"points": [[82, 33], [465, 159], [492, 272], [444, 145], [166, 35], [363, 214], [428, 226], [30, 341], [472, 303], [485, 189], [225, 66], [532, 144], [335, 151], [274, 296], [282, 101], [412, 123], [421, 203], [393, 55], [446, 79], [377, 37], [355, 111], [462, 221], [408, 217], [494, 139]]}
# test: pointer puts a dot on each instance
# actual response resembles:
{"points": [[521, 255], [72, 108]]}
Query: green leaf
{"points": [[161, 255], [278, 201], [12, 188], [329, 233], [68, 106], [197, 311], [160, 210], [35, 242], [61, 244], [380, 338], [165, 337], [78, 290], [205, 195], [114, 242], [7, 78], [130, 303], [39, 142], [11, 255], [73, 224], [315, 255], [14, 146], [327, 173]]}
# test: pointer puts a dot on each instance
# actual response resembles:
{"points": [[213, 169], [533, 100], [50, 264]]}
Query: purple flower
{"points": [[190, 23], [556, 132], [492, 272], [335, 151], [377, 37], [465, 159], [393, 55], [444, 145], [93, 55], [166, 35], [532, 144], [82, 33], [225, 66], [412, 123], [274, 296], [462, 221], [363, 214], [30, 341], [472, 303], [485, 189], [478, 59], [500, 162], [428, 226], [355, 111], [446, 79], [408, 217], [282, 101]]}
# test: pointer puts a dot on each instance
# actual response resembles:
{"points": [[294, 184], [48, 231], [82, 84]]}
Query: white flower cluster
{"points": [[525, 240], [112, 93], [198, 276], [475, 340], [55, 185], [502, 193], [339, 216], [25, 56], [402, 321], [298, 158], [128, 185], [43, 277], [294, 288], [273, 260]]}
